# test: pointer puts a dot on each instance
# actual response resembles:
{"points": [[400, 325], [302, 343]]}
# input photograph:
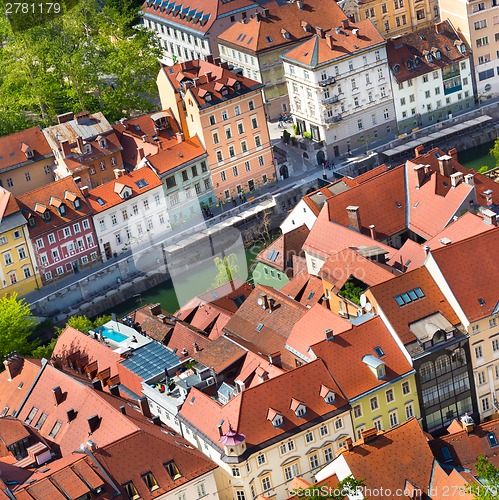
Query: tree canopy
{"points": [[16, 325], [91, 58], [495, 151], [227, 269], [488, 474]]}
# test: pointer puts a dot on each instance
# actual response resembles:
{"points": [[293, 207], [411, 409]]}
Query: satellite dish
{"points": [[260, 301], [369, 307], [363, 300]]}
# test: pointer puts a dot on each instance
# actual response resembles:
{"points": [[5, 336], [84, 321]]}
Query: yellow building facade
{"points": [[17, 270]]}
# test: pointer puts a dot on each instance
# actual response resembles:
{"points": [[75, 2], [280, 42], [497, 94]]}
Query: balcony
{"points": [[328, 81], [333, 119], [330, 100]]}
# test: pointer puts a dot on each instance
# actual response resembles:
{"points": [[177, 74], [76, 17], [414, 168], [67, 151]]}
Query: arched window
{"points": [[426, 371], [442, 365]]}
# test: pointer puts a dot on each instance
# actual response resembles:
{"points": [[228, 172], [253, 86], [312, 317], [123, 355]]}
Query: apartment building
{"points": [[478, 22], [156, 140], [431, 76], [339, 87], [60, 228], [395, 17], [226, 112], [255, 45], [473, 295], [18, 270], [190, 30], [26, 161], [85, 146]]}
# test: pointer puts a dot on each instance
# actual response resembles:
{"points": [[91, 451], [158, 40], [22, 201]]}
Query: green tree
{"points": [[483, 169], [495, 151], [347, 486], [227, 269], [84, 324], [16, 325], [488, 474], [351, 292]]}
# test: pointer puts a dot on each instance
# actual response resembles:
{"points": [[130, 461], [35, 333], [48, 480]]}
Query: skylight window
{"points": [[101, 202], [310, 295], [491, 438], [141, 183], [481, 301], [259, 327], [273, 255], [269, 39], [409, 296], [379, 352], [249, 41], [446, 454]]}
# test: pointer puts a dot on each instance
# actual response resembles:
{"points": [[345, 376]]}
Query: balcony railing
{"points": [[333, 119], [330, 100], [328, 81]]}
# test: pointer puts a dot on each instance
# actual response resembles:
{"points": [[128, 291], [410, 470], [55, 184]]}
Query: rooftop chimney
{"points": [[299, 3], [345, 23], [372, 229], [156, 420], [328, 332], [438, 28], [144, 407], [418, 150], [71, 414], [469, 179], [65, 117], [66, 149], [209, 58], [93, 422], [220, 429], [266, 12], [453, 152], [115, 390], [13, 365], [265, 300], [79, 141], [140, 153], [180, 137], [456, 178], [468, 423], [489, 217], [348, 443], [208, 75], [97, 385], [196, 347], [84, 191], [81, 117], [329, 41], [445, 165], [368, 435], [426, 249], [118, 172], [419, 170], [124, 122], [488, 197], [57, 392], [275, 358], [354, 217], [77, 179], [320, 31], [356, 32]]}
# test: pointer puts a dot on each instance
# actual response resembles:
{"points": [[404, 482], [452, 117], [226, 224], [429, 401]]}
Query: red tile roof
{"points": [[51, 196], [183, 338], [340, 267], [310, 329], [398, 455], [467, 285], [409, 256], [13, 390], [212, 85], [253, 367], [305, 289], [265, 31], [158, 328], [465, 448], [12, 431], [247, 411], [418, 44], [219, 354], [327, 237], [228, 296], [286, 246], [201, 13], [343, 357], [107, 194], [8, 204], [271, 336], [319, 50], [13, 147], [401, 317]]}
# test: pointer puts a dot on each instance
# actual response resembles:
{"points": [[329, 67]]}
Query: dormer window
{"points": [[375, 365], [429, 57], [438, 54], [381, 372], [131, 491], [299, 408], [103, 142], [87, 148], [396, 69], [275, 417], [417, 61], [410, 64], [62, 210], [207, 97], [30, 153], [46, 215], [77, 204], [328, 394], [173, 471], [31, 221]]}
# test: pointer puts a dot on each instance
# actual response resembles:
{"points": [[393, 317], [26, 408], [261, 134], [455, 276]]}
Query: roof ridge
{"points": [[466, 240]]}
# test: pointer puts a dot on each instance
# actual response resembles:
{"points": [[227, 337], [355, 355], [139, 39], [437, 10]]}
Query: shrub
{"points": [[307, 135]]}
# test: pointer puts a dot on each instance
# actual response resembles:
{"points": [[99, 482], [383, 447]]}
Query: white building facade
{"points": [[339, 88]]}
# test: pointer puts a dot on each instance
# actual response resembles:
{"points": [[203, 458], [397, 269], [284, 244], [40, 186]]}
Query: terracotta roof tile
{"points": [[310, 329], [219, 354], [305, 289], [12, 431], [319, 50], [70, 483], [13, 147], [343, 356], [183, 338], [401, 317], [106, 192], [266, 31], [248, 410], [286, 246], [417, 44], [475, 291]]}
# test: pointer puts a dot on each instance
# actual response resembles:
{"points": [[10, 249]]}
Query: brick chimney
{"points": [[489, 217], [453, 152], [329, 41], [456, 178], [144, 407], [467, 423], [65, 117], [118, 172], [488, 197], [354, 217], [368, 435], [81, 117], [13, 365], [348, 443], [180, 137], [345, 23], [84, 191], [140, 153], [445, 165], [418, 150], [97, 384], [275, 358], [208, 76], [372, 229], [320, 31], [419, 171], [57, 392], [115, 390], [299, 4], [66, 149], [265, 301], [79, 141]]}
